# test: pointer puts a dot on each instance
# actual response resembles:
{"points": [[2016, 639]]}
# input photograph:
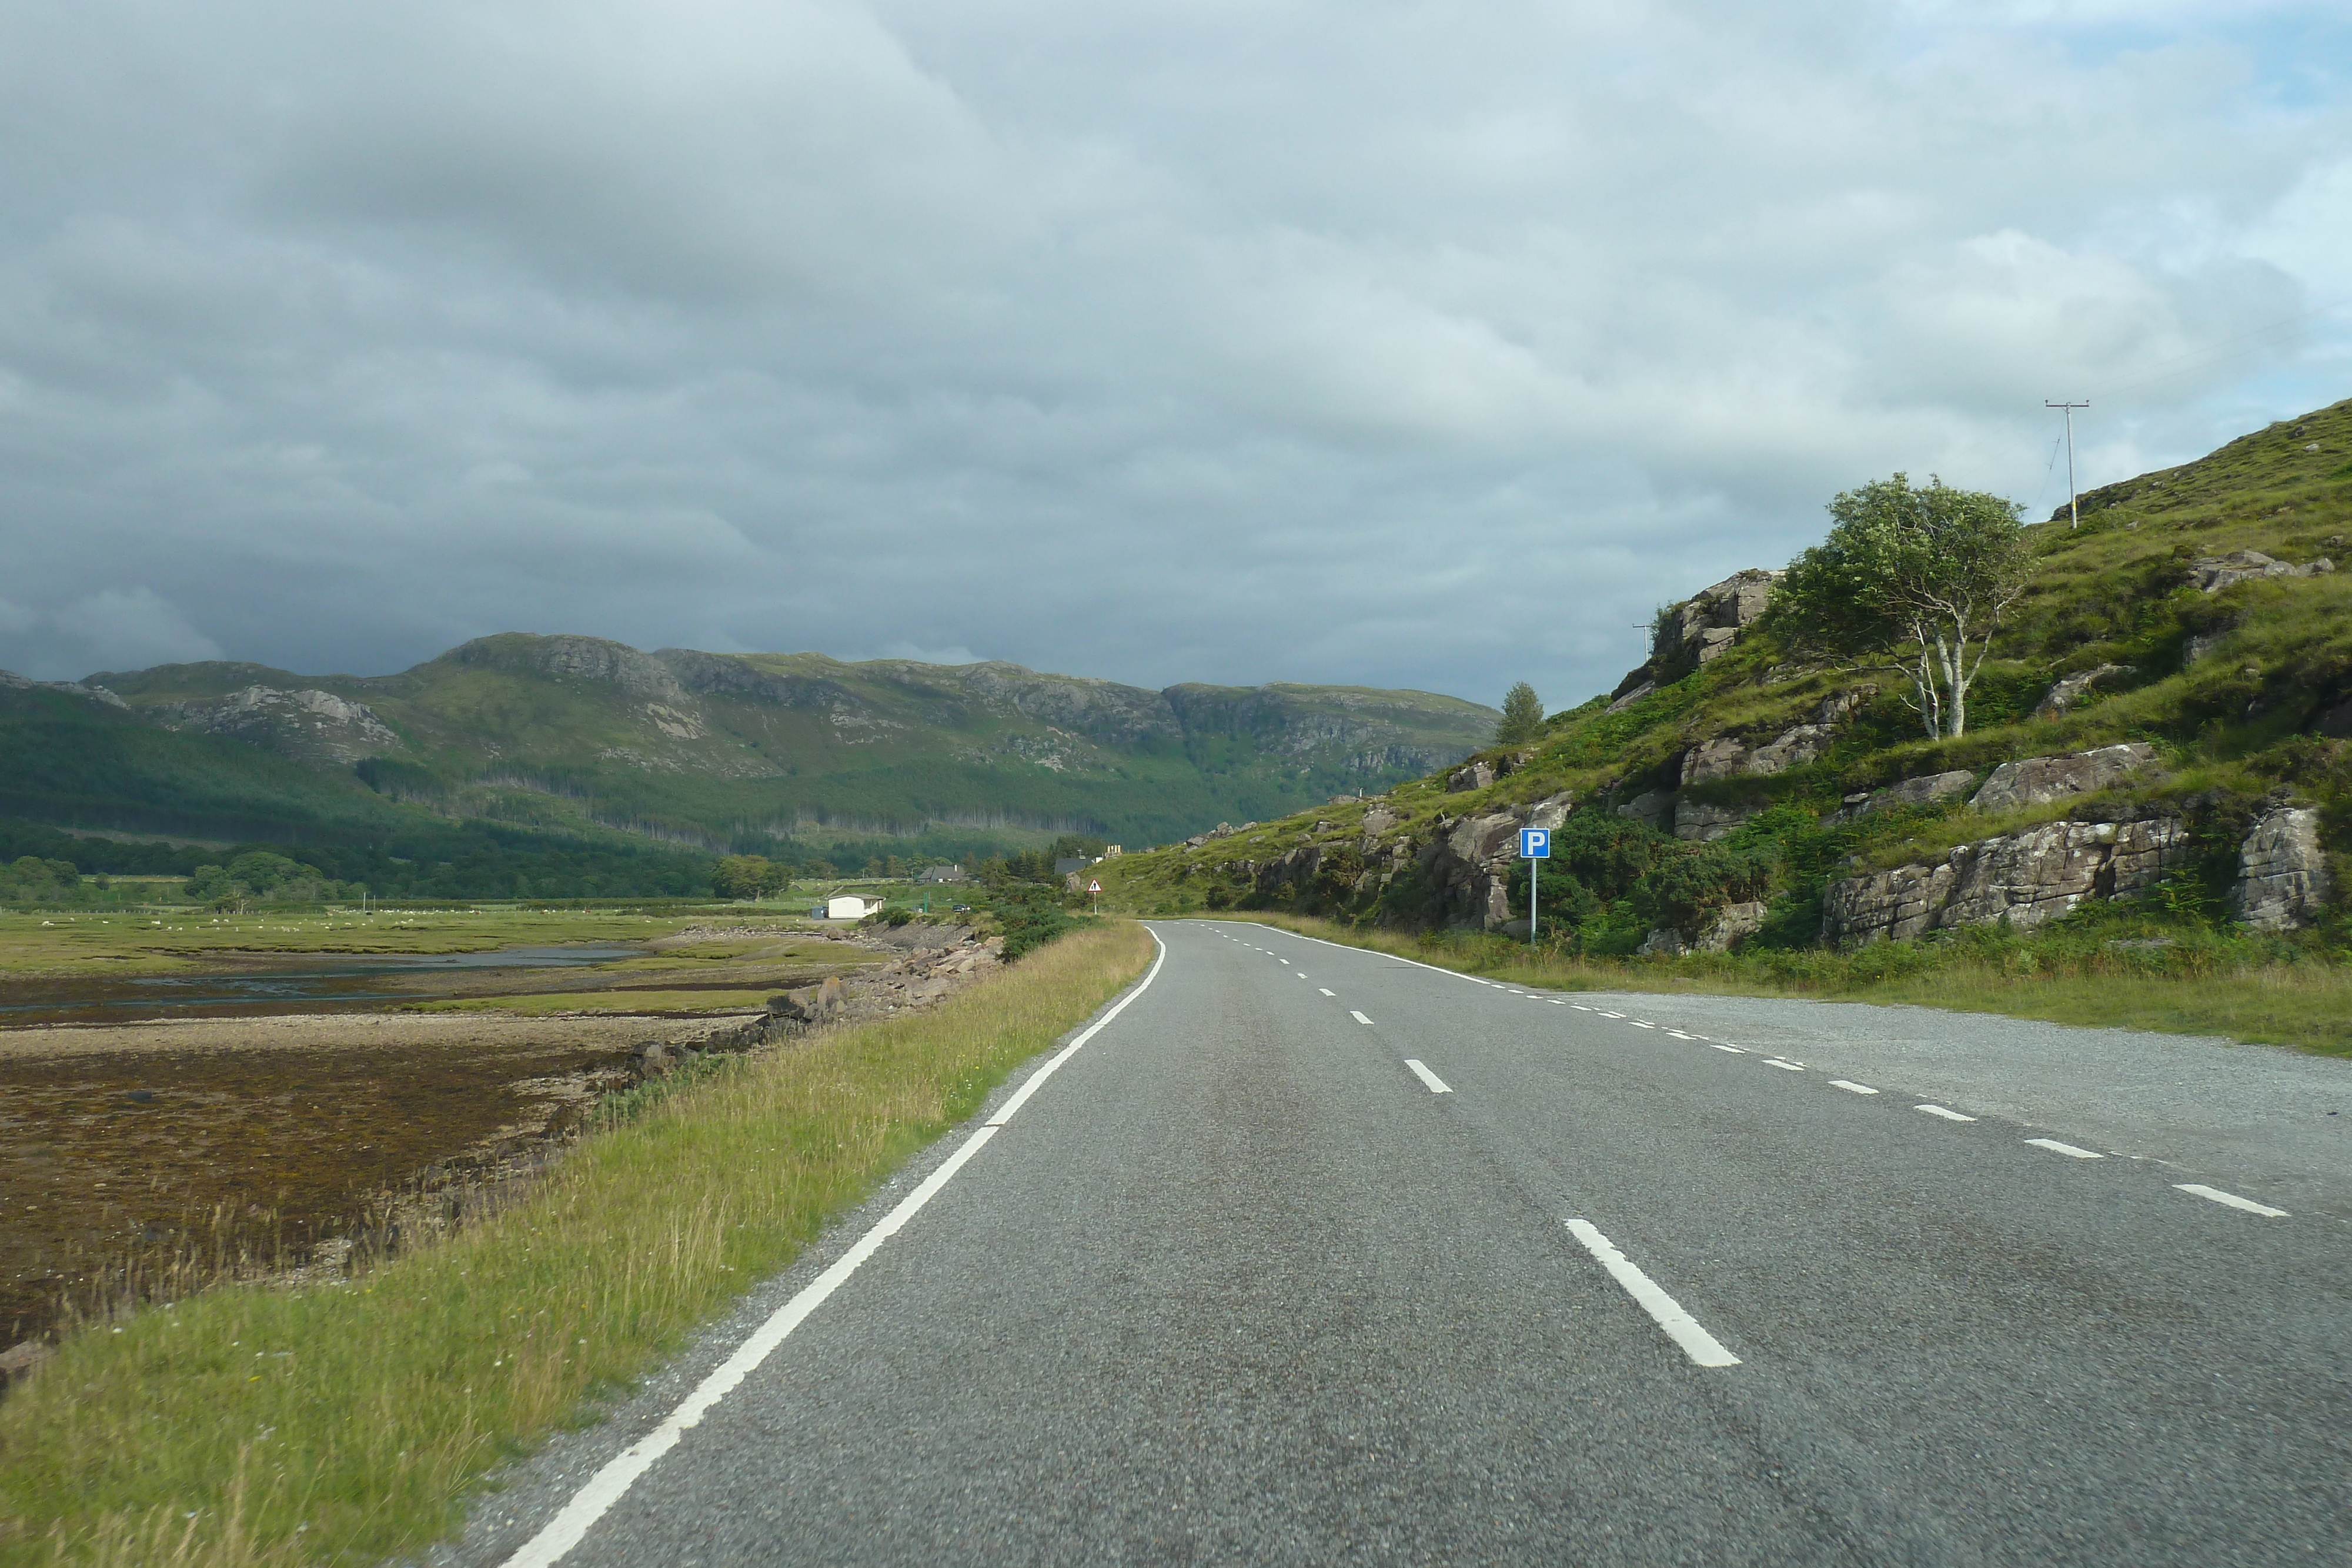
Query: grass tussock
{"points": [[258, 1425], [2239, 990]]}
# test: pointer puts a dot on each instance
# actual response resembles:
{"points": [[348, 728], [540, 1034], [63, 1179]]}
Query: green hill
{"points": [[790, 755], [2157, 758]]}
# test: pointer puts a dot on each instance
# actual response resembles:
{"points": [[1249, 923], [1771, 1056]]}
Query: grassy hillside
{"points": [[2243, 692], [755, 751]]}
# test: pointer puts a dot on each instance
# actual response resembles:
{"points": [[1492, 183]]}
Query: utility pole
{"points": [[2073, 506]]}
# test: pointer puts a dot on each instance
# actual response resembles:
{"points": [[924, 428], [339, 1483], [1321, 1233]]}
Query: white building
{"points": [[849, 906]]}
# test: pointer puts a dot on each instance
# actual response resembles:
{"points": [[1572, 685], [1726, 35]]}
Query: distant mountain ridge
{"points": [[731, 750]]}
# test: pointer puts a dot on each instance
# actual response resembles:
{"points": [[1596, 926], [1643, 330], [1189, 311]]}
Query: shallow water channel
{"points": [[262, 986]]}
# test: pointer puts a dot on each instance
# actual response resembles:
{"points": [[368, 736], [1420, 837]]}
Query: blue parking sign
{"points": [[1535, 843]]}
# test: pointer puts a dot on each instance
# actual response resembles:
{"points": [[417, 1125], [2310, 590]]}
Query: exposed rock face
{"points": [[2214, 573], [2038, 780], [1721, 757], [1655, 806], [1702, 824], [1724, 928], [1700, 630], [2071, 689], [2283, 879], [1920, 791], [1471, 858], [307, 726], [1793, 748], [2029, 877]]}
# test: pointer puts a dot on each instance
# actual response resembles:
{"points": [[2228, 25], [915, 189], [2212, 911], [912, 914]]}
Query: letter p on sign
{"points": [[1535, 843]]}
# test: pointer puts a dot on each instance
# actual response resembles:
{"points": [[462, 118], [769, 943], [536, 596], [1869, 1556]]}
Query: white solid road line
{"points": [[1357, 1016], [1852, 1087], [1681, 1327], [610, 1484], [1327, 993], [1436, 1084], [1947, 1115], [2231, 1199], [2055, 1148]]}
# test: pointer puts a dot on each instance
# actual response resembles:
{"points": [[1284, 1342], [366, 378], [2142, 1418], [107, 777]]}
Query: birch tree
{"points": [[1922, 577]]}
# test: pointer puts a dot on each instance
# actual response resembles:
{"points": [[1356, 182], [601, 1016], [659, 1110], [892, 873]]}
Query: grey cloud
{"points": [[1424, 346]]}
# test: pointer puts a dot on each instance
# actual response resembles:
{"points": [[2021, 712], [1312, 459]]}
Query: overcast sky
{"points": [[1419, 345]]}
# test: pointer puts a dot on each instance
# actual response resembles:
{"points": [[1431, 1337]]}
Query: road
{"points": [[1313, 1255]]}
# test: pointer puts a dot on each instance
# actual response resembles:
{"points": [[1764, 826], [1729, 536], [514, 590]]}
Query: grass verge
{"points": [[276, 1426], [2214, 989]]}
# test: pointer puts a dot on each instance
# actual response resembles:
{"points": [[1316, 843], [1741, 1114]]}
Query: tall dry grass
{"points": [[253, 1425]]}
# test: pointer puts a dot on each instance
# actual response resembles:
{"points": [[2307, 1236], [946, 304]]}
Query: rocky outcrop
{"points": [[1471, 857], [2071, 690], [2038, 780], [2026, 878], [1697, 632], [11, 681], [1655, 806], [2214, 573], [1921, 791], [2283, 879], [1723, 929], [311, 726], [1472, 776]]}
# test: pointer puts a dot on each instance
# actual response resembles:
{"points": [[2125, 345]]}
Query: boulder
{"points": [[811, 1005], [2027, 878], [2283, 878], [2214, 573], [1379, 819], [1470, 775], [2038, 780], [2072, 689]]}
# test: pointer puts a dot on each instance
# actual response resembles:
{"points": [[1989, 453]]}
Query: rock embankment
{"points": [[2024, 878]]}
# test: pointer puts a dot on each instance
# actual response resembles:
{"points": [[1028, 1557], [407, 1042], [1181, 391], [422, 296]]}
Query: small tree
{"points": [[1522, 717], [1923, 575]]}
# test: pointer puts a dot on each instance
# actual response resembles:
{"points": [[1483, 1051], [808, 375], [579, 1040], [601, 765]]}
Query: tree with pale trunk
{"points": [[1922, 576]]}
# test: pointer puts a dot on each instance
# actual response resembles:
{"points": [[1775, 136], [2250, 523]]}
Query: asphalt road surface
{"points": [[1313, 1255]]}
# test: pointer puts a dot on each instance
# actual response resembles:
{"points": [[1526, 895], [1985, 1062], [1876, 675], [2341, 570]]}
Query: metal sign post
{"points": [[1094, 890], [1535, 846]]}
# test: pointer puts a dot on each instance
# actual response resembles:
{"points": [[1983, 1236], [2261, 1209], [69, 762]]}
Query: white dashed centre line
{"points": [[1681, 1327], [1357, 1016], [1947, 1115], [1733, 1048], [1326, 993], [2069, 1150], [1607, 1014], [1784, 1066], [1637, 1023], [2231, 1199], [1680, 1035], [1850, 1087], [1436, 1084]]}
